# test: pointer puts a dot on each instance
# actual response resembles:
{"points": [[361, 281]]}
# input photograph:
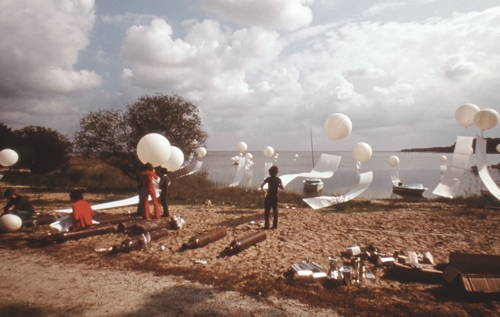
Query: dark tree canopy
{"points": [[8, 138], [112, 135], [42, 150]]}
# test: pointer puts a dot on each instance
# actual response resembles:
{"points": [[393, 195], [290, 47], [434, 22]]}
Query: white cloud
{"points": [[277, 14], [40, 46]]}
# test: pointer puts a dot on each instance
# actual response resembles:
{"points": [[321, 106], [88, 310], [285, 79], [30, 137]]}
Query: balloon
{"points": [[443, 158], [249, 156], [10, 223], [176, 159], [393, 160], [486, 119], [153, 148], [465, 114], [498, 148], [296, 155], [242, 147], [268, 151], [338, 126], [200, 152], [8, 157], [361, 152]]}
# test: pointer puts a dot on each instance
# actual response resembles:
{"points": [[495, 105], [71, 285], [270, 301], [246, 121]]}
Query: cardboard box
{"points": [[473, 275]]}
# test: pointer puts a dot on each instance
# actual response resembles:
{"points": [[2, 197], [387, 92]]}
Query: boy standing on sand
{"points": [[271, 201]]}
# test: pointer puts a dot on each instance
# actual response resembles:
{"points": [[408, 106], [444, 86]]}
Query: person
{"points": [[22, 206], [147, 176], [82, 211], [271, 201], [164, 183]]}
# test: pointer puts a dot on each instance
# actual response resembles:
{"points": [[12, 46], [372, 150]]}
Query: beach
{"points": [[71, 278]]}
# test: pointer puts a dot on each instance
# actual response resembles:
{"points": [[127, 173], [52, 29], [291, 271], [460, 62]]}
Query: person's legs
{"points": [[24, 214], [146, 212], [156, 206], [164, 205], [275, 215], [267, 211]]}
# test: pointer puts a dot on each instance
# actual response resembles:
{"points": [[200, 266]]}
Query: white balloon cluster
{"points": [[470, 114], [155, 149]]}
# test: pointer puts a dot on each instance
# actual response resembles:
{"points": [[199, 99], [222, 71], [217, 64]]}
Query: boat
{"points": [[409, 189], [313, 185]]}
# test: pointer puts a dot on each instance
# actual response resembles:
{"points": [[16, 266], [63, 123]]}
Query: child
{"points": [[271, 201], [82, 211], [148, 189]]}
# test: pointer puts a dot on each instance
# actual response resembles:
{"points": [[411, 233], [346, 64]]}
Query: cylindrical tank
{"points": [[148, 226], [241, 244], [128, 225], [203, 239], [111, 219], [84, 233], [138, 242]]}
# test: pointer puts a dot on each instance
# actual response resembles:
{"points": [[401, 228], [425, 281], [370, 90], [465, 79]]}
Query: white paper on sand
{"points": [[450, 181], [482, 168], [239, 172], [365, 179], [325, 168], [64, 223]]}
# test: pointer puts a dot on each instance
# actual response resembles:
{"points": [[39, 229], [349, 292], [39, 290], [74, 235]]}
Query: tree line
{"points": [[110, 135]]}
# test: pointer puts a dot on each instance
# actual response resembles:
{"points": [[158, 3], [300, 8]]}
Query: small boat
{"points": [[408, 189], [313, 185]]}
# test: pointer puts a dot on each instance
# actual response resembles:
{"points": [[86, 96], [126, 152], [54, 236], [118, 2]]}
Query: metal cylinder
{"points": [[149, 226], [241, 244], [128, 225], [139, 242], [111, 219], [203, 239], [84, 233]]}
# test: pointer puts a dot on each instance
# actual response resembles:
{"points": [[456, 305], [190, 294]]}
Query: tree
{"points": [[42, 150], [8, 138], [112, 135]]}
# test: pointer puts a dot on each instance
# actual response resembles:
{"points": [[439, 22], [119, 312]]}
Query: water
{"points": [[413, 168]]}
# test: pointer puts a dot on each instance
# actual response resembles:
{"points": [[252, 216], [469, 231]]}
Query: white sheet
{"points": [[450, 181], [483, 170], [325, 168], [365, 179], [239, 172]]}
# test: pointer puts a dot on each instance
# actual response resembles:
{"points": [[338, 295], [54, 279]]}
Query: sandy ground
{"points": [[72, 279]]}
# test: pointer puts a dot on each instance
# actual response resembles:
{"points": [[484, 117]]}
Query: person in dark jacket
{"points": [[271, 201], [21, 205], [164, 183]]}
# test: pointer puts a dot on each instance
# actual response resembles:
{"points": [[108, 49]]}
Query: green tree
{"points": [[8, 138], [112, 135], [42, 150]]}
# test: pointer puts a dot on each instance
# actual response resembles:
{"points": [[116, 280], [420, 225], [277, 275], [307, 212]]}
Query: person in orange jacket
{"points": [[82, 211], [147, 176]]}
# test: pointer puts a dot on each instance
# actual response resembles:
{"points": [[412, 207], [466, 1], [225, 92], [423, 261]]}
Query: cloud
{"points": [[277, 14], [40, 46]]}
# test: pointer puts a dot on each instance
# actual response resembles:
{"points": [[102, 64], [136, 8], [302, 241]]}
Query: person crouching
{"points": [[82, 211]]}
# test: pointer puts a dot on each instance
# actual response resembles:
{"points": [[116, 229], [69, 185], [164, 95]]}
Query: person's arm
{"points": [[280, 185]]}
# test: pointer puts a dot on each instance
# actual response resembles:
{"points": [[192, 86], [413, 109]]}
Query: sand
{"points": [[72, 279]]}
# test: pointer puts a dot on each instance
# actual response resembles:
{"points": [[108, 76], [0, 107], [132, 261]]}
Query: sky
{"points": [[263, 72]]}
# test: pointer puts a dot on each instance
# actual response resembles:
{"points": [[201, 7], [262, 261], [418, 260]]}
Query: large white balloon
{"points": [[242, 147], [361, 152], [338, 126], [176, 159], [268, 151], [443, 158], [200, 152], [498, 148], [153, 148], [486, 119], [465, 114], [249, 156], [10, 223], [8, 157], [393, 160]]}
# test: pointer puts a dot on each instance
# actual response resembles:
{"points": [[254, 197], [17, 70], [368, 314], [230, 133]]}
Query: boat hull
{"points": [[406, 191], [312, 186]]}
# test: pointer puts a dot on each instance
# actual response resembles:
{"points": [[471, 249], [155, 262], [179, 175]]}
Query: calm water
{"points": [[413, 168]]}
